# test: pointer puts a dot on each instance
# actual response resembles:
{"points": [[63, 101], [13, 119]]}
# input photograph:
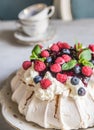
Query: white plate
{"points": [[28, 40], [10, 111]]}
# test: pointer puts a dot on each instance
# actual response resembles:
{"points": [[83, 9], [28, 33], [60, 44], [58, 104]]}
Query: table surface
{"points": [[12, 53]]}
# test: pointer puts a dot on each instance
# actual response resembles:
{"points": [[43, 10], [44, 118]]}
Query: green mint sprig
{"points": [[35, 54], [69, 65], [78, 46]]}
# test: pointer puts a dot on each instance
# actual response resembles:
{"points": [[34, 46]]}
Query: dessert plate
{"points": [[29, 40], [10, 110]]}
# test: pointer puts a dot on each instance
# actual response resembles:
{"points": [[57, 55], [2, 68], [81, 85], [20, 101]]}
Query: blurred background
{"points": [[9, 9]]}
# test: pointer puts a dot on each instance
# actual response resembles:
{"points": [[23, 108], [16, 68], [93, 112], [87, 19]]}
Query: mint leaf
{"points": [[36, 50], [69, 65], [87, 63], [42, 59], [32, 58], [85, 54], [78, 46]]}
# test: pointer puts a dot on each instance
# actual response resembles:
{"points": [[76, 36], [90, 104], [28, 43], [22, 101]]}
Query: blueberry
{"points": [[66, 51], [37, 79], [77, 69], [85, 80], [75, 80], [92, 62], [49, 59], [81, 91]]}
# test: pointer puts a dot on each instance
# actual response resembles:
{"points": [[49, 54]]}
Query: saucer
{"points": [[29, 40]]}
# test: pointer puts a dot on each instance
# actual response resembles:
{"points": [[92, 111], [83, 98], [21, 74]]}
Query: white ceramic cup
{"points": [[34, 19]]}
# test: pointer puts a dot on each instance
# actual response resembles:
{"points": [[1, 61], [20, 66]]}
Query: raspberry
{"points": [[91, 47], [61, 77], [87, 71], [66, 58], [59, 60], [26, 64], [45, 83], [39, 66], [63, 45], [55, 68], [44, 53], [54, 48]]}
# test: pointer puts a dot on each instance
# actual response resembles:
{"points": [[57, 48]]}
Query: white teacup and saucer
{"points": [[34, 22]]}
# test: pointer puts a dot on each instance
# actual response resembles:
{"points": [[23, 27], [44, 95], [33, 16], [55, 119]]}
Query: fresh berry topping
{"points": [[66, 51], [77, 69], [61, 77], [59, 60], [26, 64], [49, 59], [85, 80], [66, 58], [37, 79], [64, 45], [44, 53], [75, 80], [39, 66], [91, 47], [87, 71], [55, 68], [54, 48], [81, 91], [45, 83], [92, 62]]}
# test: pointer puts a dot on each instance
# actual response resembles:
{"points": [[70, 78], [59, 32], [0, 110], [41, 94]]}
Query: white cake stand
{"points": [[10, 110]]}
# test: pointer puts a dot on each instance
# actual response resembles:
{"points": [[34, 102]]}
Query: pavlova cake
{"points": [[55, 88]]}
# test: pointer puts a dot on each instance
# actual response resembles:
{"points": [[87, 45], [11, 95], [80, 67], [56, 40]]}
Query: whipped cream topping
{"points": [[74, 88], [56, 88], [29, 75]]}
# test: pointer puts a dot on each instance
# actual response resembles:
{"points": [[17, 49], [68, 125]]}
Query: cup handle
{"points": [[51, 10]]}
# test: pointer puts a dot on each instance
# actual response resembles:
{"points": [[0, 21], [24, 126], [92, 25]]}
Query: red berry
{"points": [[45, 83], [87, 71], [26, 64], [39, 66], [66, 58], [91, 47], [61, 77], [54, 48], [55, 68], [59, 60], [63, 45], [44, 53]]}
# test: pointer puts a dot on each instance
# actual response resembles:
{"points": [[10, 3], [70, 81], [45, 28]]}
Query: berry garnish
{"points": [[66, 51], [85, 80], [87, 71], [55, 68], [37, 78], [39, 66], [81, 91], [61, 77], [66, 58], [75, 80], [77, 69], [59, 60], [91, 47], [64, 45], [45, 83], [26, 64], [44, 53], [54, 48], [49, 59]]}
